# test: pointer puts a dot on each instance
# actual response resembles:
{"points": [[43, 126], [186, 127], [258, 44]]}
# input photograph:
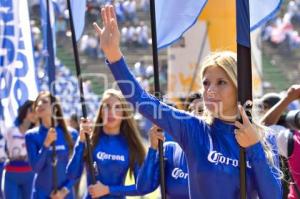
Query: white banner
{"points": [[17, 67]]}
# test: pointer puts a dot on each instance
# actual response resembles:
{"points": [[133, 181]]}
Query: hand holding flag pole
{"points": [[158, 95], [82, 100], [244, 74], [51, 74]]}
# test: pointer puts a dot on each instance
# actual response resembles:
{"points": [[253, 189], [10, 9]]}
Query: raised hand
{"points": [[109, 34], [293, 92], [246, 134]]}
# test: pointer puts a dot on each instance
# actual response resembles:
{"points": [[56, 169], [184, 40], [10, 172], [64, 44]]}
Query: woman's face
{"points": [[112, 113], [220, 96], [43, 107]]}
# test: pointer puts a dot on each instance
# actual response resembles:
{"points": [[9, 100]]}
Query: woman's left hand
{"points": [[246, 134], [59, 194], [98, 190]]}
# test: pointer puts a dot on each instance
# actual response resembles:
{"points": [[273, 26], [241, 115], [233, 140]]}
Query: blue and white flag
{"points": [[78, 12], [252, 14], [17, 69], [174, 17], [262, 11]]}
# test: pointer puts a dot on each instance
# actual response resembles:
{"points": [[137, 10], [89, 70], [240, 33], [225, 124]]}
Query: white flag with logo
{"points": [[17, 69]]}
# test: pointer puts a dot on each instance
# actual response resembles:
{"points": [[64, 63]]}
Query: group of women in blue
{"points": [[201, 163]]}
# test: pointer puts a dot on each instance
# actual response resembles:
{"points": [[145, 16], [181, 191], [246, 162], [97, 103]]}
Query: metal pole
{"points": [[82, 100], [158, 95]]}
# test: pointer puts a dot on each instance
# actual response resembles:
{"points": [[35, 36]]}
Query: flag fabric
{"points": [[243, 23], [174, 17], [262, 11], [252, 14], [50, 59], [17, 69], [78, 11], [45, 27]]}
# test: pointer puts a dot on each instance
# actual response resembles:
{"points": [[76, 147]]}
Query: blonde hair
{"points": [[227, 60]]}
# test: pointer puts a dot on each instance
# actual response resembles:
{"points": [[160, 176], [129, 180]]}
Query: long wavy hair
{"points": [[128, 128], [57, 114]]}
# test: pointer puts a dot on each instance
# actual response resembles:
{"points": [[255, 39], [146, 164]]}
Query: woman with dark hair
{"points": [[38, 143], [18, 174], [116, 148]]}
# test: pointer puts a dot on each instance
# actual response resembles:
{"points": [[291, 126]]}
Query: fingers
{"points": [[104, 17], [244, 115], [157, 133], [93, 189], [97, 28], [113, 18], [238, 125], [52, 134], [112, 12], [85, 124], [108, 12]]}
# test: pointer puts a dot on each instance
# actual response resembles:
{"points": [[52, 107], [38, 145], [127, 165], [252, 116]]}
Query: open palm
{"points": [[109, 34]]}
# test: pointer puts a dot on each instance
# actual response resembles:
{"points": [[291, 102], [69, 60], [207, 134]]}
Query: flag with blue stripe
{"points": [[17, 67], [45, 27], [174, 17]]}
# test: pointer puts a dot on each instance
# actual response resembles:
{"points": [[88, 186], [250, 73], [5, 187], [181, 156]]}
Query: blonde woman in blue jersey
{"points": [[211, 144]]}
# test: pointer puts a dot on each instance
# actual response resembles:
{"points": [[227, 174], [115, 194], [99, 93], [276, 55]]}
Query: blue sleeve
{"points": [[37, 155], [126, 190], [75, 165], [148, 177], [180, 124], [74, 134], [69, 184], [266, 176]]}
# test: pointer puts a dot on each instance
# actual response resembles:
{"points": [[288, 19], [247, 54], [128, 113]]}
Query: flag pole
{"points": [[51, 74], [158, 95], [82, 100], [244, 75]]}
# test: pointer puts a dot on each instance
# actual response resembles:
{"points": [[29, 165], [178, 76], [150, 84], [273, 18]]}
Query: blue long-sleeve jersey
{"points": [[212, 151], [176, 172], [40, 159], [111, 155]]}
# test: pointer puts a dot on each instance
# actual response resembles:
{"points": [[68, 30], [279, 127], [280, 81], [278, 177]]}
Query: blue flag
{"points": [[174, 17], [78, 12], [17, 69], [49, 42]]}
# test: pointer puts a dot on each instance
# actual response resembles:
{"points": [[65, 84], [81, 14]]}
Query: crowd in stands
{"points": [[284, 30]]}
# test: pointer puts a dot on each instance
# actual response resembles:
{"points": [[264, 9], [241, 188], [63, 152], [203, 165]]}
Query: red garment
{"points": [[294, 165]]}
